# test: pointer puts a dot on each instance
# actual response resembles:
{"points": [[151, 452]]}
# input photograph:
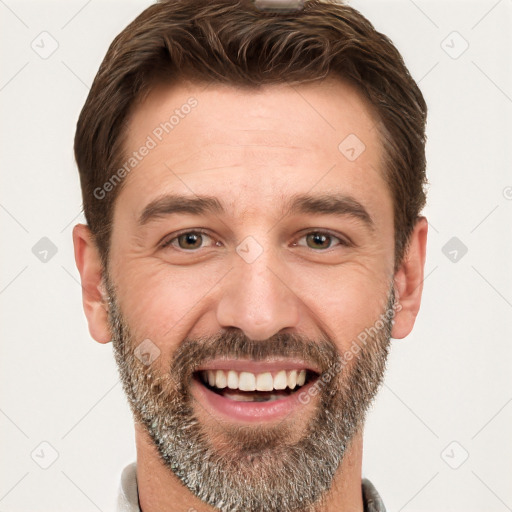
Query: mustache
{"points": [[232, 343]]}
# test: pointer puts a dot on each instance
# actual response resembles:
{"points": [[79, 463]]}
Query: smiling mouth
{"points": [[255, 387]]}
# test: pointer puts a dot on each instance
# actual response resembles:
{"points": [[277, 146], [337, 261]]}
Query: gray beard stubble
{"points": [[258, 469]]}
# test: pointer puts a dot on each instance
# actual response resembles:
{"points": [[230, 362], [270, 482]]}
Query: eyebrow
{"points": [[326, 204], [329, 204], [172, 203]]}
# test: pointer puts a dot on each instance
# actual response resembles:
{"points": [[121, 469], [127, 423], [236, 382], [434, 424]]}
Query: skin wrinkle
{"points": [[260, 470]]}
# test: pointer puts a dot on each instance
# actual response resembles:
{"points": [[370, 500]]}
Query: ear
{"points": [[94, 298], [409, 281]]}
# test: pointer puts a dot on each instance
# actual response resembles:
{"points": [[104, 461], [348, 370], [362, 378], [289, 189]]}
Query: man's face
{"points": [[257, 285]]}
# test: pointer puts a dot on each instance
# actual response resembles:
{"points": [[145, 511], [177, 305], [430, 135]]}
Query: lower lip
{"points": [[251, 412]]}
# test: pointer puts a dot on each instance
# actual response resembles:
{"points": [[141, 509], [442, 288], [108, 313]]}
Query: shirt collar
{"points": [[128, 497], [371, 498]]}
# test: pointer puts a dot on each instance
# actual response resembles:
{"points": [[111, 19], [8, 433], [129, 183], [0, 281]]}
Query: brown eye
{"points": [[188, 241], [318, 240]]}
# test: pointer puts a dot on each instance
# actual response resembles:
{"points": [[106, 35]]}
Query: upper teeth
{"points": [[247, 381]]}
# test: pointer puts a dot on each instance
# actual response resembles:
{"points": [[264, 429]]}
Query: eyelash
{"points": [[203, 232]]}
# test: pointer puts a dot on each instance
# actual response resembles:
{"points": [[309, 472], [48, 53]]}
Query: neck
{"points": [[159, 489]]}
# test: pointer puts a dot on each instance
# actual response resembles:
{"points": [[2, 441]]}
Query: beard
{"points": [[256, 468]]}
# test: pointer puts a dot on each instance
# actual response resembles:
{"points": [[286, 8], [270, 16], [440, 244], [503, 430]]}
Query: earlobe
{"points": [[94, 297], [409, 281]]}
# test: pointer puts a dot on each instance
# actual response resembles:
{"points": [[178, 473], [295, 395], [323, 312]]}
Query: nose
{"points": [[256, 298]]}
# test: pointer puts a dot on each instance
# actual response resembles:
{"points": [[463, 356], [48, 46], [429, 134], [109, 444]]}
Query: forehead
{"points": [[254, 147]]}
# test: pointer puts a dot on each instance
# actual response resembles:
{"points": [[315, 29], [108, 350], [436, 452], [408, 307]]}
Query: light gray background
{"points": [[447, 393]]}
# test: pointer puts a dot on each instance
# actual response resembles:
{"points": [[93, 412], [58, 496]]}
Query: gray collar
{"points": [[371, 498], [128, 498]]}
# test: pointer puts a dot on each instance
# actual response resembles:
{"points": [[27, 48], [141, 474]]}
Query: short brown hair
{"points": [[233, 42]]}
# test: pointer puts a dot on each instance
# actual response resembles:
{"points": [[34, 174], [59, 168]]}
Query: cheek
{"points": [[160, 300], [164, 302], [347, 300]]}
